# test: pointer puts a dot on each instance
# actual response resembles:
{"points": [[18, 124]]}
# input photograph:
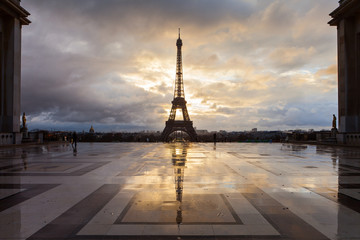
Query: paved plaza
{"points": [[179, 191]]}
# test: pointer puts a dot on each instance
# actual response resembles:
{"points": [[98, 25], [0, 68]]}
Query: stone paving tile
{"points": [[176, 191]]}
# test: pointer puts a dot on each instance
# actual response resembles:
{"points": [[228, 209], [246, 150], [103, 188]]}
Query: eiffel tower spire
{"points": [[179, 85], [179, 102]]}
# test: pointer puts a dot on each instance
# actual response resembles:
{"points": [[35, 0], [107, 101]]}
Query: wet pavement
{"points": [[179, 191]]}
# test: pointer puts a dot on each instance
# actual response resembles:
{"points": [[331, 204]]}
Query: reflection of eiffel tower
{"points": [[179, 103], [179, 153]]}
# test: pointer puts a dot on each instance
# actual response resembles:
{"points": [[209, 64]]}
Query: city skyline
{"points": [[269, 65]]}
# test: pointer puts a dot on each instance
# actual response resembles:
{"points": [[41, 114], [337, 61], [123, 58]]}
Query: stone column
{"points": [[12, 17], [347, 19]]}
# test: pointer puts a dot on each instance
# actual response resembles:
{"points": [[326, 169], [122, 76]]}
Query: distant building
{"points": [[347, 20], [254, 130], [91, 130], [201, 132]]}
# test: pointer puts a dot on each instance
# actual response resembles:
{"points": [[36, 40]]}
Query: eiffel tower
{"points": [[179, 103]]}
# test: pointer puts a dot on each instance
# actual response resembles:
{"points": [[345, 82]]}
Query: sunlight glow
{"points": [[179, 115], [242, 69]]}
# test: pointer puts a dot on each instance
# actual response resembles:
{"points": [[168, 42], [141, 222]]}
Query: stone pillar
{"points": [[12, 17], [347, 19]]}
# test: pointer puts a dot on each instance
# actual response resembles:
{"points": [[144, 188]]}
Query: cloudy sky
{"points": [[269, 64]]}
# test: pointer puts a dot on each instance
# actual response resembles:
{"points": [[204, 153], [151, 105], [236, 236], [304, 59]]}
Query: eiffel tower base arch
{"points": [[185, 126]]}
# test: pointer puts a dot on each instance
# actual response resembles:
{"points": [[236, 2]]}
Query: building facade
{"points": [[347, 20], [12, 17]]}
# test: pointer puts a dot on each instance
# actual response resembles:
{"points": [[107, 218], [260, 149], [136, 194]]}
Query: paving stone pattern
{"points": [[179, 191]]}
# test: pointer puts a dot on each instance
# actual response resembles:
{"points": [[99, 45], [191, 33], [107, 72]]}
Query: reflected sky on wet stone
{"points": [[247, 190]]}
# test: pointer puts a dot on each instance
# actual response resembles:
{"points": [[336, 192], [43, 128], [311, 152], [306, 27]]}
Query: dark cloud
{"points": [[111, 63]]}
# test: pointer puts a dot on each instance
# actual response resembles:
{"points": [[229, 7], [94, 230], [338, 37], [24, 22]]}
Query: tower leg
{"points": [[184, 126]]}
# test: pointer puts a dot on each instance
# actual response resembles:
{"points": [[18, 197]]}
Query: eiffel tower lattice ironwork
{"points": [[179, 103]]}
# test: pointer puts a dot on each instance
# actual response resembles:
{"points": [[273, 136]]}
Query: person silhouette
{"points": [[74, 136]]}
